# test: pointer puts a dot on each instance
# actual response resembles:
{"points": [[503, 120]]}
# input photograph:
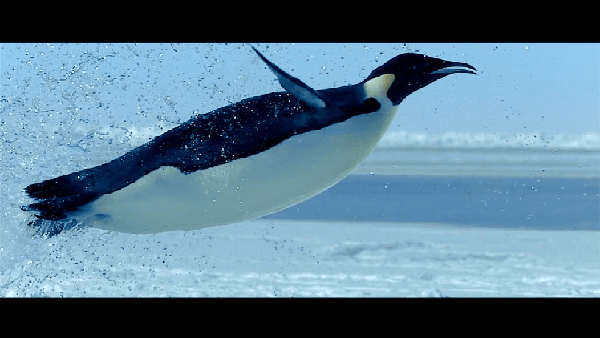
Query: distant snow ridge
{"points": [[136, 136], [406, 139]]}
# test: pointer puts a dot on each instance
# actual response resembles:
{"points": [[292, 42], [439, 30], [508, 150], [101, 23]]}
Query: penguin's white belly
{"points": [[247, 188]]}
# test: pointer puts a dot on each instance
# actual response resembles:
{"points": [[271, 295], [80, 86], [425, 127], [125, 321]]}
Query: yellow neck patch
{"points": [[378, 87]]}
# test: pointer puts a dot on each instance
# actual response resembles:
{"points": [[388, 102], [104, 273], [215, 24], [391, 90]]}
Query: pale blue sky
{"points": [[520, 88]]}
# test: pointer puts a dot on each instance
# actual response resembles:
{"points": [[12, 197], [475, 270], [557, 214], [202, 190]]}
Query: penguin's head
{"points": [[409, 72]]}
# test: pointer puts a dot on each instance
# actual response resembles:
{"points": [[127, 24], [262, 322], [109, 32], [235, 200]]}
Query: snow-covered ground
{"points": [[297, 259]]}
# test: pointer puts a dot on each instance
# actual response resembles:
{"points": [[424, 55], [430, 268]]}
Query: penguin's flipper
{"points": [[296, 87]]}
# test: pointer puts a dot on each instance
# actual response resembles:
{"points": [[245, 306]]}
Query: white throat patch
{"points": [[378, 87]]}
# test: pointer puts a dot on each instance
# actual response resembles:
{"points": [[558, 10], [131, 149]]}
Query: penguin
{"points": [[239, 162]]}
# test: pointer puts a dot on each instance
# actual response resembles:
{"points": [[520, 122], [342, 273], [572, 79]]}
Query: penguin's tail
{"points": [[56, 208], [55, 197]]}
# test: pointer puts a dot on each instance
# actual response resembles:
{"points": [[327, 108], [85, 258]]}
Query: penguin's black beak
{"points": [[449, 67]]}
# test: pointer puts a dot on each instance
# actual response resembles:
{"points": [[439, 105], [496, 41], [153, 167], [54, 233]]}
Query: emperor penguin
{"points": [[242, 161]]}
